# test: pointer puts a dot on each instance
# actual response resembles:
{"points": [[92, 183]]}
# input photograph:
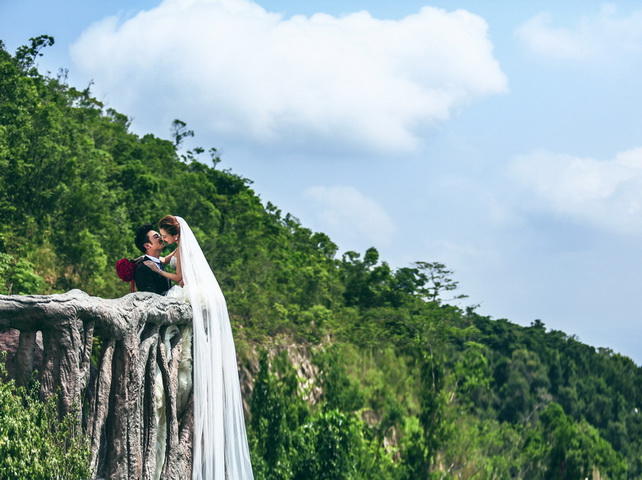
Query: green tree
{"points": [[577, 449]]}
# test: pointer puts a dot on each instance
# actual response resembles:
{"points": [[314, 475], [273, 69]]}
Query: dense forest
{"points": [[407, 386]]}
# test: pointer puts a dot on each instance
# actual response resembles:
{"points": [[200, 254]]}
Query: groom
{"points": [[146, 277]]}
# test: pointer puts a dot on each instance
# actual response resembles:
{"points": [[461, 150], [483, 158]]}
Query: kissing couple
{"points": [[149, 270], [219, 446]]}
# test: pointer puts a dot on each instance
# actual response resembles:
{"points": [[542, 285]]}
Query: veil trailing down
{"points": [[220, 449]]}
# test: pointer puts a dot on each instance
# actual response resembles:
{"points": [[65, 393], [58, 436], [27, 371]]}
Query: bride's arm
{"points": [[172, 276], [165, 260], [177, 277]]}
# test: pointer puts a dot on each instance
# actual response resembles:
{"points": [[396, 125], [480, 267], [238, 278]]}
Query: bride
{"points": [[220, 450]]}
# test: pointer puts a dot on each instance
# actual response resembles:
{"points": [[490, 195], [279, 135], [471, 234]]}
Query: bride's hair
{"points": [[170, 225]]}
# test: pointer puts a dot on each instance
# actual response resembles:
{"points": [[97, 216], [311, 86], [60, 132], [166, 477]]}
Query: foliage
{"points": [[18, 276], [34, 444], [291, 439]]}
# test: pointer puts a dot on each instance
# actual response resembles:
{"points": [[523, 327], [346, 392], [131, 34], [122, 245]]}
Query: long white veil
{"points": [[220, 450]]}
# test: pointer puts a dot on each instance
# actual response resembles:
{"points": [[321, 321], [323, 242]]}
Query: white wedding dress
{"points": [[220, 449]]}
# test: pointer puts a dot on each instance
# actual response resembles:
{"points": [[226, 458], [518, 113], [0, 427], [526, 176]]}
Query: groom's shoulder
{"points": [[142, 261]]}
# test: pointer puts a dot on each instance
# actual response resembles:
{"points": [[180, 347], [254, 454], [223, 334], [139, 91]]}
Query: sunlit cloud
{"points": [[350, 216], [602, 36], [605, 194], [303, 83]]}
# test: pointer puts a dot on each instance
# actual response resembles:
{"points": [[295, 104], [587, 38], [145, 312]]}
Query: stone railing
{"points": [[122, 366]]}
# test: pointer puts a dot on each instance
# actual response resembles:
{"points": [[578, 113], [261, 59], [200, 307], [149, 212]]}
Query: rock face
{"points": [[122, 366]]}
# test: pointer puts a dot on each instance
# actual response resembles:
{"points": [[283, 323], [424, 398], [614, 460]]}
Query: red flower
{"points": [[125, 269]]}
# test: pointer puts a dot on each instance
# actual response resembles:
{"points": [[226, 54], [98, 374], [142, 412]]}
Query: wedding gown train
{"points": [[220, 449]]}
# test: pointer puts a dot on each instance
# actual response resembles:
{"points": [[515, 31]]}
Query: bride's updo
{"points": [[170, 224]]}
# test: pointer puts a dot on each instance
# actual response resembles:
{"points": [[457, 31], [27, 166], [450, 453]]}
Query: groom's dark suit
{"points": [[148, 280]]}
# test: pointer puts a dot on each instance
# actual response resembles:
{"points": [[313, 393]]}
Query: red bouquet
{"points": [[125, 269]]}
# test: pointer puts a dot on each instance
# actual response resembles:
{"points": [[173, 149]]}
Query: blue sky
{"points": [[501, 138]]}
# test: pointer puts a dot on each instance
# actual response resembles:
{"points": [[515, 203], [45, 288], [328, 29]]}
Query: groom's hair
{"points": [[141, 236]]}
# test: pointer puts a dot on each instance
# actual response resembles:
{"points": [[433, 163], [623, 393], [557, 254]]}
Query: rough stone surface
{"points": [[101, 357]]}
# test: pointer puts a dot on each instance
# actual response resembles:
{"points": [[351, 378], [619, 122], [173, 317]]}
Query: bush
{"points": [[34, 444], [19, 276]]}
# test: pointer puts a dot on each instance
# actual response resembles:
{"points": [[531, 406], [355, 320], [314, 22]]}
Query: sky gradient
{"points": [[500, 138]]}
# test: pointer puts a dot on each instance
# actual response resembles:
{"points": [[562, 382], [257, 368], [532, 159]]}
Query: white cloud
{"points": [[606, 194], [351, 217], [319, 82], [603, 36]]}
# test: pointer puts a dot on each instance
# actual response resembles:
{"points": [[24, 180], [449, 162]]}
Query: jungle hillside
{"points": [[403, 384]]}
